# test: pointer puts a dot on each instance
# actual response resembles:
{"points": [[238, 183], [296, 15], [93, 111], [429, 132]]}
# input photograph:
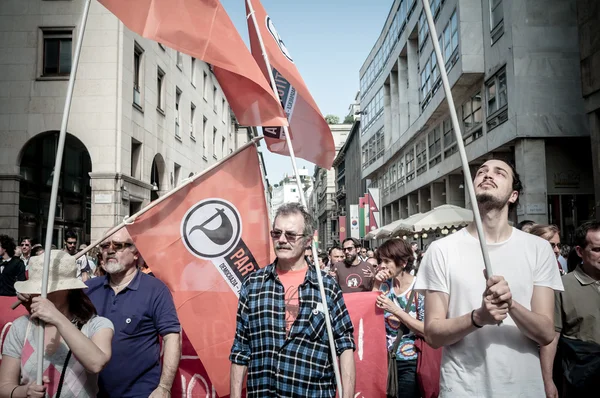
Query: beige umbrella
{"points": [[406, 224], [387, 230], [372, 234], [445, 216]]}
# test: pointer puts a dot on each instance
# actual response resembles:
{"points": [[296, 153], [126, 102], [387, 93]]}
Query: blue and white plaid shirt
{"points": [[299, 364]]}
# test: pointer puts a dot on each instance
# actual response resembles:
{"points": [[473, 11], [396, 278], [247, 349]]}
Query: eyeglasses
{"points": [[556, 245], [289, 236], [25, 244], [118, 246], [71, 243], [349, 248]]}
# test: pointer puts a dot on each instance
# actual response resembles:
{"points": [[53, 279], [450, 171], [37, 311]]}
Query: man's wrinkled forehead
{"points": [[120, 236]]}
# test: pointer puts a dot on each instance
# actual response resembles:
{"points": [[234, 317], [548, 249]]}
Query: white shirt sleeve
{"points": [[546, 272], [433, 272]]}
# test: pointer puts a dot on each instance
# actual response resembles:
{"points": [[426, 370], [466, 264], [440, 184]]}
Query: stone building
{"points": [[514, 71], [144, 117]]}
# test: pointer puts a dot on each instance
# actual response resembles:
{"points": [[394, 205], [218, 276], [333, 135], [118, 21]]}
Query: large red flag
{"points": [[309, 132], [202, 29], [202, 241]]}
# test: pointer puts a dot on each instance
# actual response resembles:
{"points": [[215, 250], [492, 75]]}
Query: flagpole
{"points": [[288, 141], [55, 181], [459, 139], [131, 219]]}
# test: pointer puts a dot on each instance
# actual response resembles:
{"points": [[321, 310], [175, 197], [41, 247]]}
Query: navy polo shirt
{"points": [[140, 313]]}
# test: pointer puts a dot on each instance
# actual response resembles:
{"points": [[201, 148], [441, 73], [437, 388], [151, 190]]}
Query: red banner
{"points": [[192, 378], [342, 228], [370, 356]]}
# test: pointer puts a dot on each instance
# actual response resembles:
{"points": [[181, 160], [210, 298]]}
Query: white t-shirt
{"points": [[494, 361]]}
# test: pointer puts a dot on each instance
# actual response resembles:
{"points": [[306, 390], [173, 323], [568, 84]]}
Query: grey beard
{"points": [[113, 268]]}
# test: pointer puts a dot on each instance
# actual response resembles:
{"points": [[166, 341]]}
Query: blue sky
{"points": [[329, 41]]}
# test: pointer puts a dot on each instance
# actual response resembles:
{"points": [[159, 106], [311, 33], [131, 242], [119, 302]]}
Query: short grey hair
{"points": [[296, 208]]}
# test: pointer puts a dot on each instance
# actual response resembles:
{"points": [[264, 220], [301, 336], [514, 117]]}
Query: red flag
{"points": [[202, 241], [309, 132], [342, 223], [202, 29], [370, 356]]}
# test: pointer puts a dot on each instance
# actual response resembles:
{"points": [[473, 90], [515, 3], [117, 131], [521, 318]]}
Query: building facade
{"points": [[144, 117], [348, 171], [516, 84], [588, 21], [325, 207], [286, 190]]}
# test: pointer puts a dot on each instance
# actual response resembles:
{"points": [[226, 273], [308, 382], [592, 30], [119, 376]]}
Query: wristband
{"points": [[13, 391], [473, 320], [168, 390]]}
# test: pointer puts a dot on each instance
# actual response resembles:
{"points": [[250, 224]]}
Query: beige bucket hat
{"points": [[62, 275]]}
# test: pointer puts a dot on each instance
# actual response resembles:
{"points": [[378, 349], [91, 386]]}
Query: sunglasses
{"points": [[289, 236], [25, 245], [349, 248], [71, 243], [556, 245], [117, 246]]}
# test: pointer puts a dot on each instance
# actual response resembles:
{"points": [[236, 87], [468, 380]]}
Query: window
{"points": [[423, 29], [449, 45], [160, 90], [204, 135], [372, 111], [136, 155], [193, 72], [435, 7], [138, 53], [179, 60], [215, 98], [496, 13], [177, 114], [497, 100], [400, 173], [193, 121], [449, 138], [223, 110], [223, 147], [410, 164], [435, 146], [214, 142], [435, 76], [57, 52], [421, 156], [176, 174], [496, 93], [425, 82], [472, 113], [204, 84]]}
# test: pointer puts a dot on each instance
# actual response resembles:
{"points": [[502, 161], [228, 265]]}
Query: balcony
{"points": [[341, 193]]}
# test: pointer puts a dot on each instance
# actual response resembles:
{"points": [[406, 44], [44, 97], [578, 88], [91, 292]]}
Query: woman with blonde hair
{"points": [[551, 233], [77, 342]]}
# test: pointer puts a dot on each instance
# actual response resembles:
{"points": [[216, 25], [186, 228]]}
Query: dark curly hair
{"points": [[397, 250], [8, 244]]}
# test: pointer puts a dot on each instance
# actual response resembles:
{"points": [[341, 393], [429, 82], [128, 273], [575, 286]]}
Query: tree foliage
{"points": [[349, 119], [332, 119]]}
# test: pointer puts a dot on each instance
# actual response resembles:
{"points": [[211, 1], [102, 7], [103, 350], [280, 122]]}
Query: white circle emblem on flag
{"points": [[211, 228], [277, 38]]}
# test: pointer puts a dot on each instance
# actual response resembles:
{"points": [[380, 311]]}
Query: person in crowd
{"points": [[85, 265], [280, 340], [324, 262], [353, 274], [415, 249], [336, 254], [25, 250], [396, 285], [12, 268], [577, 322], [361, 252], [70, 242], [309, 254], [373, 262], [573, 260], [77, 343], [18, 252], [551, 233], [370, 254], [479, 358], [141, 308], [36, 250], [562, 259], [525, 225]]}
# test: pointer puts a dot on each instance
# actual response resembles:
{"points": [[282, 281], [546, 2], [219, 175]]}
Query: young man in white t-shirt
{"points": [[462, 311]]}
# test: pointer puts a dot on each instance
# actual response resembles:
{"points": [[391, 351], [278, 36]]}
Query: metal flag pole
{"points": [[55, 182], [288, 141], [459, 139]]}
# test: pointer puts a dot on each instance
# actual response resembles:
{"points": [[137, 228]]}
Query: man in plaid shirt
{"points": [[281, 339]]}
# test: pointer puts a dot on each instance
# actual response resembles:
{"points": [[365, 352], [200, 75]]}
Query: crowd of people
{"points": [[531, 328]]}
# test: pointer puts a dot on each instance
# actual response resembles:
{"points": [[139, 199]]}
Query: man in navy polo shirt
{"points": [[141, 308]]}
